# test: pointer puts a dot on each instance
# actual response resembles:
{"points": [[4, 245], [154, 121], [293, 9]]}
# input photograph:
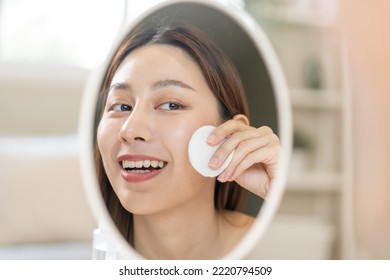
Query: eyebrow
{"points": [[157, 85], [171, 82], [119, 85]]}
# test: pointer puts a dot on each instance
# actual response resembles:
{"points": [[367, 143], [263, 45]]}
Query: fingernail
{"points": [[222, 177], [214, 162], [211, 138]]}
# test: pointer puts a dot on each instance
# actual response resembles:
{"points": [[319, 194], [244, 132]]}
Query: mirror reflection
{"points": [[166, 80]]}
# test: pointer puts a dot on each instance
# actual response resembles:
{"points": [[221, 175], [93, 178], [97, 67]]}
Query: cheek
{"points": [[175, 136], [100, 137], [179, 139], [106, 137]]}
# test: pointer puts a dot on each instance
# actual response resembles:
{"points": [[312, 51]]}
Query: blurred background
{"points": [[336, 204]]}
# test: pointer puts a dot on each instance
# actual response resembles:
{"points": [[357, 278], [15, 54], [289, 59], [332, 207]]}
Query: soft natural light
{"points": [[71, 32], [135, 8]]}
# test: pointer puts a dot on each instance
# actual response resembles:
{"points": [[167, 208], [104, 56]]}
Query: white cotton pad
{"points": [[200, 152]]}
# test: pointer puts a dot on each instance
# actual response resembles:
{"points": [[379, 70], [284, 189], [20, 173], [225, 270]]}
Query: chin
{"points": [[142, 207]]}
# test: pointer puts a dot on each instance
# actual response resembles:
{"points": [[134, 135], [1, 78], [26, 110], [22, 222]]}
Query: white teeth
{"points": [[142, 164], [139, 171]]}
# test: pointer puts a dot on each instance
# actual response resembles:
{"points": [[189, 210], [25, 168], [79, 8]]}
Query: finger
{"points": [[250, 152], [234, 141], [268, 157], [231, 144], [224, 130]]}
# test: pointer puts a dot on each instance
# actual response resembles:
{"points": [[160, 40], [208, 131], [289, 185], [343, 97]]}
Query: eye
{"points": [[170, 106], [121, 107]]}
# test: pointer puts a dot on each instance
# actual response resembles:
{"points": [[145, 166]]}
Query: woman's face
{"points": [[157, 99]]}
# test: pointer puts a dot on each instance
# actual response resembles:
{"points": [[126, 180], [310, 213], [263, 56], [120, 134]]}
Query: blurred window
{"points": [[68, 32]]}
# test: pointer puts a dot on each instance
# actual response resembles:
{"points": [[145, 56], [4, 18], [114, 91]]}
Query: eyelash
{"points": [[112, 108], [178, 105], [128, 108]]}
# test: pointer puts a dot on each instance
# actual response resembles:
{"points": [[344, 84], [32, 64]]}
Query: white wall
{"points": [[36, 99], [367, 28]]}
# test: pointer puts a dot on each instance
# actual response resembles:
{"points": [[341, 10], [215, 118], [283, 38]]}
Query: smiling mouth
{"points": [[142, 166]]}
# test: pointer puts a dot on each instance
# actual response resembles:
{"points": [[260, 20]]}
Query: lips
{"points": [[140, 168]]}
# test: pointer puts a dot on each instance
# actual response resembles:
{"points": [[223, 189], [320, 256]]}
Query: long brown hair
{"points": [[223, 80]]}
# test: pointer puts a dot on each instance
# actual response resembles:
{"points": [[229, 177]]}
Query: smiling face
{"points": [[158, 97]]}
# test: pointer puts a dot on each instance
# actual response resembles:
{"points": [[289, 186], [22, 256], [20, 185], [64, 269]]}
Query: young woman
{"points": [[162, 85]]}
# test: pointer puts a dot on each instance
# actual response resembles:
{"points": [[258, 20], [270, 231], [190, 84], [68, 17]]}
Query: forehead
{"points": [[159, 55], [158, 61]]}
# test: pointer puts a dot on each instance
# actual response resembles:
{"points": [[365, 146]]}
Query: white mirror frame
{"points": [[247, 245]]}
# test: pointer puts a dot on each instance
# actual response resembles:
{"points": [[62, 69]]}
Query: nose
{"points": [[136, 127]]}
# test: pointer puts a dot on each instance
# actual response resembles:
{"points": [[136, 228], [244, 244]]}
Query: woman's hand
{"points": [[256, 157]]}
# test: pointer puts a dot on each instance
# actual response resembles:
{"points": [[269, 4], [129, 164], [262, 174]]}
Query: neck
{"points": [[179, 233]]}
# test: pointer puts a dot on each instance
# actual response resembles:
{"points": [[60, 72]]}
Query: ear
{"points": [[242, 118]]}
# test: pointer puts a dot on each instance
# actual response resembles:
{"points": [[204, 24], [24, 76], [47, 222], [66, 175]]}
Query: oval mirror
{"points": [[165, 111]]}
